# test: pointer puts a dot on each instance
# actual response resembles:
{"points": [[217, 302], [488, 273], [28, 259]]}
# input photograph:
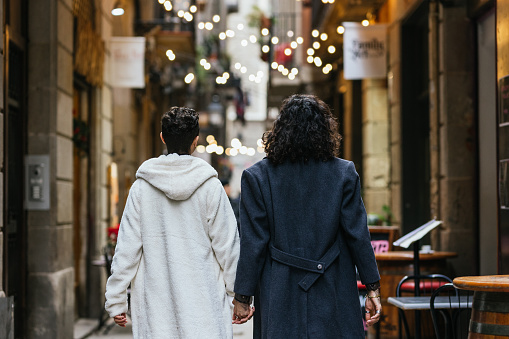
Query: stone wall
{"points": [[456, 139], [50, 276], [376, 155]]}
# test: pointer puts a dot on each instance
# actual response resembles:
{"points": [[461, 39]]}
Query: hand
{"points": [[120, 320], [373, 308], [241, 312]]}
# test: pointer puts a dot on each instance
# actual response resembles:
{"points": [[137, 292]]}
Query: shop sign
{"points": [[127, 62], [364, 51]]}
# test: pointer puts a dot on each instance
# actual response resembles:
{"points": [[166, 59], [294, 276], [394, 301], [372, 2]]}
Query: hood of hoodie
{"points": [[177, 176]]}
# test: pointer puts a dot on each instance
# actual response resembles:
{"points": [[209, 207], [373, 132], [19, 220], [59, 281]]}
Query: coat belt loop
{"points": [[314, 267]]}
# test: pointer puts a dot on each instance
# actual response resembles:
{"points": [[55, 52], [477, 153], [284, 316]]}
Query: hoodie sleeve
{"points": [[223, 235], [127, 256]]}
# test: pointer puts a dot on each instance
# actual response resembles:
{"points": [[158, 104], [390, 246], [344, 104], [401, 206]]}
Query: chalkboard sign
{"points": [[504, 101]]}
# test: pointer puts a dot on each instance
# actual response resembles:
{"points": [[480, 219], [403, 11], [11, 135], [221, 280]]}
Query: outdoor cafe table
{"points": [[490, 308], [423, 303], [393, 266]]}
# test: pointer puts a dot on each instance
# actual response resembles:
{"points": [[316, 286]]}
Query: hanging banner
{"points": [[127, 62], [364, 51]]}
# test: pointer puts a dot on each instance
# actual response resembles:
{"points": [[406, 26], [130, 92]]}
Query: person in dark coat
{"points": [[303, 233]]}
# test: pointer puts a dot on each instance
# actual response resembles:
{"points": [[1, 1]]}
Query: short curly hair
{"points": [[179, 127], [304, 129]]}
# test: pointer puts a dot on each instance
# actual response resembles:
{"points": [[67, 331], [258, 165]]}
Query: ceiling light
{"points": [[118, 8]]}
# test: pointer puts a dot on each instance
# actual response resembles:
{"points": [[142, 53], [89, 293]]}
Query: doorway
{"points": [[415, 120], [82, 228], [15, 262]]}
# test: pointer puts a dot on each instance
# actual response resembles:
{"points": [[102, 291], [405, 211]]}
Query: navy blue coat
{"points": [[295, 220]]}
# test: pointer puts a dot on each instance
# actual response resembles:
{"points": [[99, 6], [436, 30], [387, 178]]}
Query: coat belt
{"points": [[315, 267]]}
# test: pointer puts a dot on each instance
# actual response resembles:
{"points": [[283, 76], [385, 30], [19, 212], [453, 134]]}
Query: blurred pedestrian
{"points": [[303, 233], [235, 202], [178, 243]]}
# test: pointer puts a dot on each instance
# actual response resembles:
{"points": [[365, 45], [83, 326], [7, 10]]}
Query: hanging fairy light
{"points": [[331, 49], [265, 32], [193, 9], [316, 45], [216, 18], [340, 30], [189, 77], [315, 33], [168, 6]]}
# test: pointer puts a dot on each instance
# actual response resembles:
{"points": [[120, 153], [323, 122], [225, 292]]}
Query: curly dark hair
{"points": [[179, 127], [304, 129]]}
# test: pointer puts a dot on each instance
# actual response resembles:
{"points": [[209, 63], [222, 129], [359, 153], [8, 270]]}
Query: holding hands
{"points": [[242, 312]]}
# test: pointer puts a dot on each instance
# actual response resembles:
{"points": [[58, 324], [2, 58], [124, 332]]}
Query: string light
{"points": [[340, 30], [315, 33], [189, 78], [323, 36], [365, 23], [216, 18], [316, 45], [331, 49]]}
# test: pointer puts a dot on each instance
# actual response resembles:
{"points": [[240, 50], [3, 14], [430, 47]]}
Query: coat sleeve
{"points": [[224, 235], [127, 256], [254, 235], [355, 226]]}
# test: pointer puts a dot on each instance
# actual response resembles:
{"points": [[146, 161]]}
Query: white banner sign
{"points": [[364, 51], [127, 62]]}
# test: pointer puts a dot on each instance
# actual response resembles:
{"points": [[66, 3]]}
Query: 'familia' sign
{"points": [[364, 51]]}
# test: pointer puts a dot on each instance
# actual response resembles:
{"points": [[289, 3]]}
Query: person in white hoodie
{"points": [[177, 245]]}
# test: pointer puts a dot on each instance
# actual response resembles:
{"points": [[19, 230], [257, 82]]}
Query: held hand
{"points": [[241, 312], [373, 307], [120, 320]]}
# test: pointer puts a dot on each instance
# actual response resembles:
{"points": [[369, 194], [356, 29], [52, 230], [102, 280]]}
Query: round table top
{"points": [[409, 256], [485, 283]]}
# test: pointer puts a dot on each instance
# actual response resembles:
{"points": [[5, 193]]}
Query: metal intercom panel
{"points": [[37, 194]]}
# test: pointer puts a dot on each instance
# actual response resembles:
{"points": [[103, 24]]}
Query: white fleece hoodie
{"points": [[178, 246]]}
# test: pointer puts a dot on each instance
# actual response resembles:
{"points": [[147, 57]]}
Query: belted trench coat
{"points": [[303, 231]]}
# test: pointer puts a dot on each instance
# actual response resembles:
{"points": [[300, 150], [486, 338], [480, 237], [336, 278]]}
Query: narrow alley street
{"points": [[84, 330]]}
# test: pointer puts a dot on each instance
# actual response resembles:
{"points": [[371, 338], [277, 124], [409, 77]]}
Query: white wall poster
{"points": [[127, 62], [364, 51]]}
